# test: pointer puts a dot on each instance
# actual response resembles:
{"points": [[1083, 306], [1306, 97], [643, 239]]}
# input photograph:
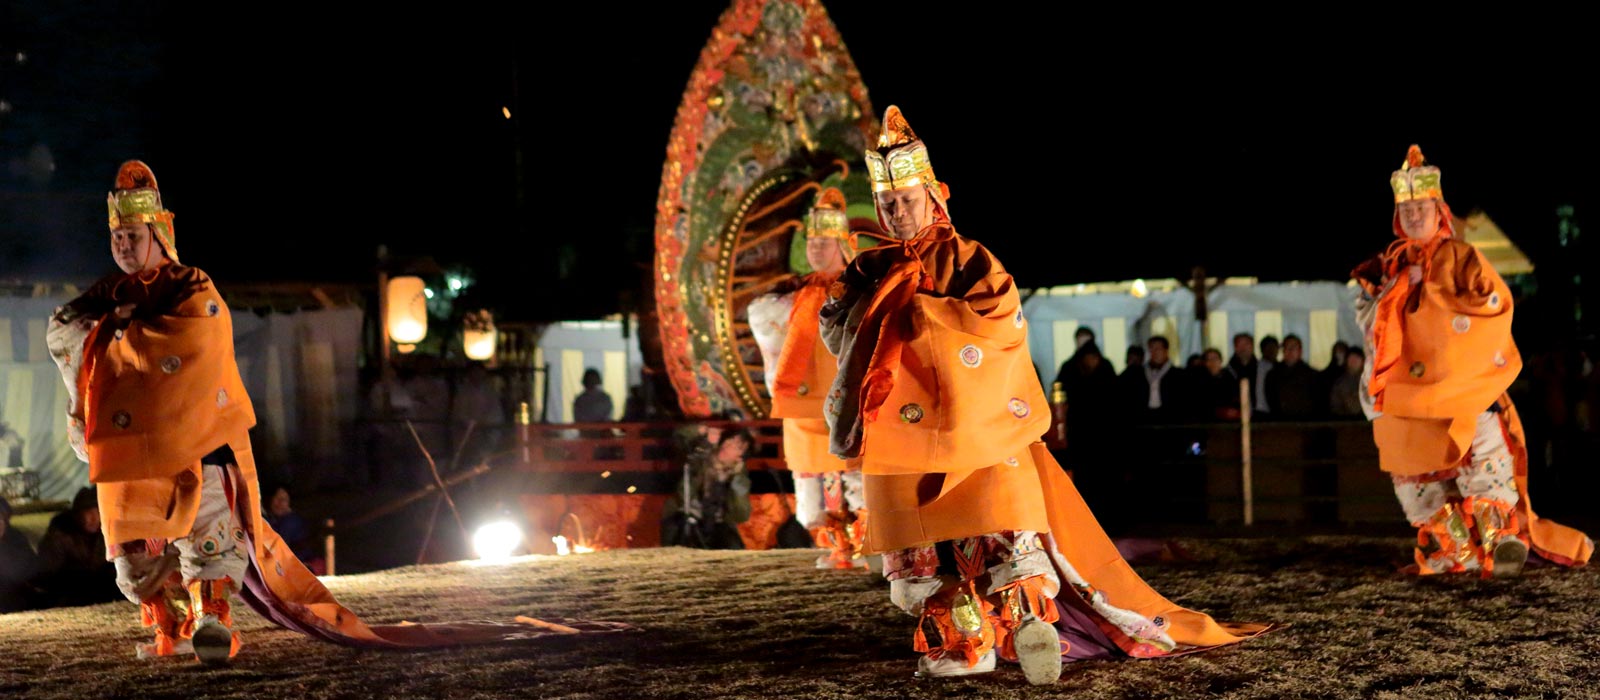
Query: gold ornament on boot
{"points": [[1501, 551], [955, 624], [215, 642], [168, 612], [1444, 543]]}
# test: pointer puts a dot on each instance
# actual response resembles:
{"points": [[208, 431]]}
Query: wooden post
{"points": [[525, 432], [1244, 451], [384, 401], [327, 546]]}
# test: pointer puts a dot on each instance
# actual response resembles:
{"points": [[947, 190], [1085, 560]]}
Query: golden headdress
{"points": [[134, 198]]}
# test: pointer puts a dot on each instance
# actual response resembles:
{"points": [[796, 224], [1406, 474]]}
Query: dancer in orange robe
{"points": [[1437, 322], [160, 414], [984, 537], [828, 494]]}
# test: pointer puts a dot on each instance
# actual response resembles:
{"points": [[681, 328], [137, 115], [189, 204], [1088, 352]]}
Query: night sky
{"points": [[292, 143]]}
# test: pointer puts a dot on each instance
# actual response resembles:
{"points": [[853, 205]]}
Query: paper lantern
{"points": [[479, 344], [408, 310], [478, 337]]}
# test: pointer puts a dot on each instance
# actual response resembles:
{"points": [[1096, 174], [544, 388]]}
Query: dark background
{"points": [[293, 140]]}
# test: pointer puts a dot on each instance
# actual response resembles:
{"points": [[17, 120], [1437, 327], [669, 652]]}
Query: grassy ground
{"points": [[763, 625]]}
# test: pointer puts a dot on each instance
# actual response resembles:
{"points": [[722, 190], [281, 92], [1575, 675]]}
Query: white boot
{"points": [[1510, 555], [945, 665], [1038, 651], [213, 641]]}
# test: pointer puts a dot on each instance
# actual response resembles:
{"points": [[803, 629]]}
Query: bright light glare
{"points": [[497, 540]]}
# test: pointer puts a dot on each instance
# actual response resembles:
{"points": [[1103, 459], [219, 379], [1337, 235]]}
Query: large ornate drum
{"points": [[774, 109]]}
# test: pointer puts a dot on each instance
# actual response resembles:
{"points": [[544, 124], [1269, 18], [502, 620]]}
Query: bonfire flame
{"points": [[578, 545]]}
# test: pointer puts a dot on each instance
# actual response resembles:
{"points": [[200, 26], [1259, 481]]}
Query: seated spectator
{"points": [[1344, 400], [594, 404], [73, 569], [713, 496], [18, 566], [293, 528]]}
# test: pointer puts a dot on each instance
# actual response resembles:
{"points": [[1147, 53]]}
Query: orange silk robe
{"points": [[948, 415], [161, 392], [804, 373], [1442, 353]]}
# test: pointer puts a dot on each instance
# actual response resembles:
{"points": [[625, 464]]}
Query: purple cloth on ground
{"points": [[1077, 627]]}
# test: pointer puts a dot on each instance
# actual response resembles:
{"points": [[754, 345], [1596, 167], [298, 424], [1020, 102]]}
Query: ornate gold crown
{"points": [[828, 219], [135, 198], [901, 159], [1414, 179]]}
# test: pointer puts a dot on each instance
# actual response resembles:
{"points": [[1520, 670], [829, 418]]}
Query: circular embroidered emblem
{"points": [[1017, 319], [1461, 324], [1012, 461], [1499, 360], [802, 390], [1159, 621], [121, 419], [170, 364], [1019, 408], [211, 307], [238, 534], [911, 413], [118, 334], [222, 397], [971, 356], [1494, 300], [1417, 369], [209, 546]]}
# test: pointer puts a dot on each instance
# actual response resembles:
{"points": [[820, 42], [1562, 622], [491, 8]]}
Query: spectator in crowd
{"points": [[18, 565], [1134, 358], [1091, 387], [594, 404], [10, 446], [1292, 384], [1219, 388], [1344, 399], [1330, 373], [1195, 363], [1243, 365], [1156, 389], [73, 569], [1084, 334], [1269, 359], [713, 496]]}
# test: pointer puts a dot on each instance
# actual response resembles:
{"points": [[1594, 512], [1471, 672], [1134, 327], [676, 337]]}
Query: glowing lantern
{"points": [[497, 540], [479, 337], [407, 315]]}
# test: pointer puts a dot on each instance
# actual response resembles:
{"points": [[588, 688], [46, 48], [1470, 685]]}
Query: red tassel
{"points": [[1414, 157]]}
